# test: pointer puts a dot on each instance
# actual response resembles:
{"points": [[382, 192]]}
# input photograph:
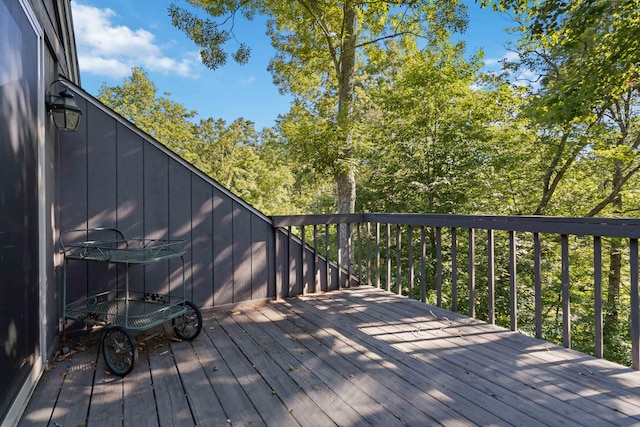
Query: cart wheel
{"points": [[189, 325], [119, 350]]}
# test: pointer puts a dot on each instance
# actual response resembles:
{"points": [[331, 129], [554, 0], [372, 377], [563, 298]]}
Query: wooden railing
{"points": [[449, 260]]}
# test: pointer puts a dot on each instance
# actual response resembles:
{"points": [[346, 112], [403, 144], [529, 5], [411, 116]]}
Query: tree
{"points": [[136, 99], [587, 53], [317, 49]]}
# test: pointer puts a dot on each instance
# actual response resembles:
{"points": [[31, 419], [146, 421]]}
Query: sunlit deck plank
{"points": [[353, 357]]}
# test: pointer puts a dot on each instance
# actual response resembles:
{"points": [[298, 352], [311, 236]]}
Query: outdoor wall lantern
{"points": [[64, 109]]}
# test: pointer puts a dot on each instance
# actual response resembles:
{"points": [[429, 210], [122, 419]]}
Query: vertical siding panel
{"points": [[180, 227], [241, 253], [156, 213], [259, 258], [223, 265], [202, 271], [295, 273], [72, 197], [309, 273], [324, 274], [130, 195], [101, 190]]}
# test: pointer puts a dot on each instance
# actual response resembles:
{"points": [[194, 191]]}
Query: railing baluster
{"points": [[597, 290], [287, 292], [360, 270], [316, 270], [472, 273], [280, 263], [410, 259], [491, 276], [368, 232], [537, 285], [423, 265], [454, 270], [327, 272], [439, 266], [339, 255], [566, 295], [378, 255], [303, 259], [513, 299], [635, 309], [349, 253], [388, 281], [398, 260]]}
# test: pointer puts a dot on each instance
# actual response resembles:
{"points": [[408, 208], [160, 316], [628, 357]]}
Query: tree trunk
{"points": [[345, 170]]}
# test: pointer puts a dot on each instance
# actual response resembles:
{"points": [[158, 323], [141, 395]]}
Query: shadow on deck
{"points": [[352, 357]]}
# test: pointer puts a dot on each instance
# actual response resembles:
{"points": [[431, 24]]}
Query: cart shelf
{"points": [[121, 251], [138, 312]]}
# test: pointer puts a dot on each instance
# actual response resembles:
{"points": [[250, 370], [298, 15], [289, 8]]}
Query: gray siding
{"points": [[112, 175]]}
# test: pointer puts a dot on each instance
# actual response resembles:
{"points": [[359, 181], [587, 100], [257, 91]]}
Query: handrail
{"points": [[610, 227], [384, 247]]}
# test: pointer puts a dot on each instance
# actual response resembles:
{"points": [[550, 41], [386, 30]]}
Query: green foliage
{"points": [[137, 101], [321, 48]]}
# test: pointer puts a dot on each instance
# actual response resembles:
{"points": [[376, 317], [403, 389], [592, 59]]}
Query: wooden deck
{"points": [[347, 358]]}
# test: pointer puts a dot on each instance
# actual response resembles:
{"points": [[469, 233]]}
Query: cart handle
{"points": [[88, 230]]}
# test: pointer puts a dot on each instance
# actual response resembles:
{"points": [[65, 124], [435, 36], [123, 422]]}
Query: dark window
{"points": [[19, 305]]}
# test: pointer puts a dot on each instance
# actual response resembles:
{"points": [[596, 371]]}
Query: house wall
{"points": [[113, 175], [37, 46]]}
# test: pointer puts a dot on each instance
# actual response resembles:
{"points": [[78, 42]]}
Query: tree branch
{"points": [[402, 33], [313, 11]]}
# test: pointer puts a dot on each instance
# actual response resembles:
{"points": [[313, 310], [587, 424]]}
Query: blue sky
{"points": [[114, 35]]}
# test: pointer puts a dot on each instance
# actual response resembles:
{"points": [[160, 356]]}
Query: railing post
{"points": [[472, 273], [454, 270], [566, 294], [635, 309], [491, 276]]}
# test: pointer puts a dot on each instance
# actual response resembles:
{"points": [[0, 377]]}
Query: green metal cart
{"points": [[123, 311]]}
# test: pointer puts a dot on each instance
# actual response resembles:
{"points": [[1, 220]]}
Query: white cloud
{"points": [[509, 56], [247, 81], [109, 49], [523, 77]]}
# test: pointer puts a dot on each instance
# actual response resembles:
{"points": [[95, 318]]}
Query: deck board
{"points": [[354, 357]]}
